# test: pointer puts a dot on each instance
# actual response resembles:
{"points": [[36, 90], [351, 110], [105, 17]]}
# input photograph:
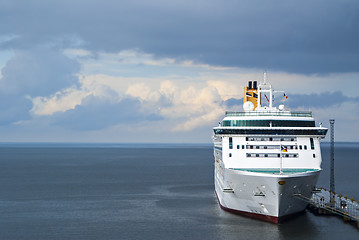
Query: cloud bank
{"points": [[168, 70], [302, 36]]}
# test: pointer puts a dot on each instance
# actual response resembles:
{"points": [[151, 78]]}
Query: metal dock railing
{"points": [[322, 203]]}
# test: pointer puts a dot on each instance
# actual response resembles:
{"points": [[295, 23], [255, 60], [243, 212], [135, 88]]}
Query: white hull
{"points": [[261, 196], [265, 156]]}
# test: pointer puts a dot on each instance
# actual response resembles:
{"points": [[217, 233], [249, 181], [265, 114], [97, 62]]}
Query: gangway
{"points": [[321, 203]]}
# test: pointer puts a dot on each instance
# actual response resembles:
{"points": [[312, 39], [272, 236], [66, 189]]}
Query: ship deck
{"points": [[277, 171]]}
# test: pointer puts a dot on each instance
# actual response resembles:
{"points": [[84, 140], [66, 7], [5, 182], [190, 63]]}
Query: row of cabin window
{"points": [[272, 155], [282, 139], [266, 139], [292, 139], [293, 155], [269, 147], [273, 147]]}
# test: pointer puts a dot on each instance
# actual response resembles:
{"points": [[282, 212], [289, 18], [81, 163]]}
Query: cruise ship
{"points": [[265, 156]]}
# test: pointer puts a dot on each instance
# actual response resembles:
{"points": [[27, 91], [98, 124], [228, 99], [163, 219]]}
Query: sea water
{"points": [[131, 191]]}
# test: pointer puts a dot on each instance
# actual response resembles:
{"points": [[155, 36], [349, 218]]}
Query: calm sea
{"points": [[115, 191]]}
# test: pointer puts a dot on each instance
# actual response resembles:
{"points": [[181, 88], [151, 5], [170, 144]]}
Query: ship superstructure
{"points": [[264, 155]]}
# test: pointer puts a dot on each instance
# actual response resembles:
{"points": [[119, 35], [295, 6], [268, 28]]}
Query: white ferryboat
{"points": [[265, 155]]}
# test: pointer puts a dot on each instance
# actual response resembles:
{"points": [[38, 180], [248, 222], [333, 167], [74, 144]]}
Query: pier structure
{"points": [[332, 183], [326, 202]]}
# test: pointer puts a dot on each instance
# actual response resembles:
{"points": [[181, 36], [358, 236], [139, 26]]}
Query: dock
{"points": [[321, 203]]}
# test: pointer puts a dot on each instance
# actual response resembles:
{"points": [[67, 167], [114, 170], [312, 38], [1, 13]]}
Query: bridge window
{"points": [[318, 132], [267, 123]]}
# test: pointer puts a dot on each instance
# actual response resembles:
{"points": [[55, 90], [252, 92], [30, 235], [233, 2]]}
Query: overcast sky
{"points": [[166, 71]]}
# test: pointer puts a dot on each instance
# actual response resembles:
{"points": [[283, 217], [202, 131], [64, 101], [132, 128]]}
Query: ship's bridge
{"points": [[270, 122], [268, 119]]}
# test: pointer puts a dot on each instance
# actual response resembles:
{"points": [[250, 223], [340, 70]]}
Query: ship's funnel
{"points": [[251, 94]]}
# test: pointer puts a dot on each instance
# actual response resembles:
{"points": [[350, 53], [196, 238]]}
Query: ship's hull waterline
{"points": [[268, 197]]}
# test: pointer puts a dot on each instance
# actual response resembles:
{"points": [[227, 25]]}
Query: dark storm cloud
{"points": [[38, 72], [31, 73], [95, 113], [293, 36], [14, 108], [325, 99]]}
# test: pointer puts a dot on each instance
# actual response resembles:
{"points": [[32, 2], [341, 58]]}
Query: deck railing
{"points": [[270, 113]]}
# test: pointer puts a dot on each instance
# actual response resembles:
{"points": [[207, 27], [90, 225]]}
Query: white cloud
{"points": [[191, 96], [227, 90], [168, 89], [59, 102], [143, 92], [193, 107], [77, 52]]}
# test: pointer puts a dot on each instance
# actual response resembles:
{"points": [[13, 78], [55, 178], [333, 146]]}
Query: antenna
{"points": [[265, 77]]}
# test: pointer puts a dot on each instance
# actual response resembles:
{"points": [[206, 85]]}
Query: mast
{"points": [[265, 77], [265, 87], [332, 186]]}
